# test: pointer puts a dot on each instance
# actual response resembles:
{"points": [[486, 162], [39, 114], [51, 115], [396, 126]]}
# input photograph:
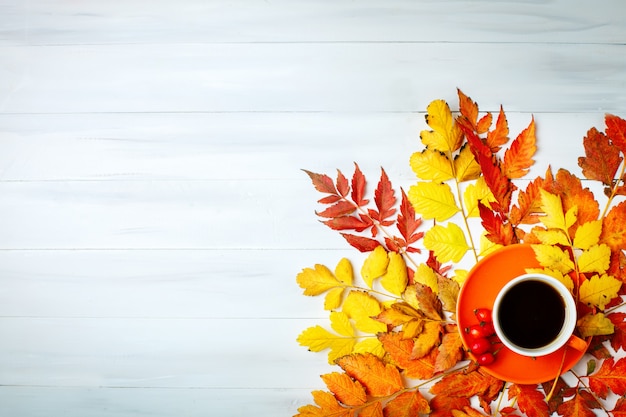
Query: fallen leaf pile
{"points": [[392, 331]]}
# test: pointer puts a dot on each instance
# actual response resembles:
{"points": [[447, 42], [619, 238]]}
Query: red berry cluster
{"points": [[481, 337]]}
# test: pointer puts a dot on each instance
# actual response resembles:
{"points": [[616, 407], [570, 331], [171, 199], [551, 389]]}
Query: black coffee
{"points": [[531, 314]]}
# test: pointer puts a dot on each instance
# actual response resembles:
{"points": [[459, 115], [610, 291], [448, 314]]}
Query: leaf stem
{"points": [[614, 190], [580, 381], [464, 215]]}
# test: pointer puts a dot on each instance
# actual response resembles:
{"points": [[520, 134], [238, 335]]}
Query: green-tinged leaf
{"points": [[431, 165], [599, 290], [433, 200], [595, 325], [588, 234], [595, 259], [447, 242]]}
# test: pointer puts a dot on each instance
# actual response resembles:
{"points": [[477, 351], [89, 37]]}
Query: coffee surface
{"points": [[531, 314]]}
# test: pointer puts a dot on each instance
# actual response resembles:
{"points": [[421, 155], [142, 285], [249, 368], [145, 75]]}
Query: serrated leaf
{"points": [[601, 159], [317, 338], [611, 375], [465, 166], [433, 200], [599, 290], [375, 265], [328, 406], [529, 400], [370, 345], [594, 325], [345, 389], [564, 279], [407, 404], [475, 193], [361, 307], [595, 259], [396, 277], [426, 276], [553, 208], [340, 323], [445, 136], [500, 134], [552, 237], [447, 242], [426, 340], [613, 230], [450, 352], [553, 257], [580, 405], [317, 280], [431, 165], [588, 234], [423, 299], [400, 350], [378, 378], [518, 158], [333, 298], [461, 384]]}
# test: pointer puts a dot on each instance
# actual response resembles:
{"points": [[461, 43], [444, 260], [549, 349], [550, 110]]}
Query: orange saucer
{"points": [[483, 283]]}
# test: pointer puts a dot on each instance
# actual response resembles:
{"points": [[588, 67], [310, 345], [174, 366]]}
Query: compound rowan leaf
{"points": [[613, 230], [599, 290], [518, 158], [379, 379], [594, 325], [345, 389], [611, 375], [450, 351], [375, 265], [465, 166], [433, 200], [431, 165], [385, 200], [445, 135], [616, 130], [396, 278], [447, 242], [553, 257], [588, 234], [529, 400], [362, 307], [407, 404], [595, 259], [601, 158], [580, 405], [317, 280]]}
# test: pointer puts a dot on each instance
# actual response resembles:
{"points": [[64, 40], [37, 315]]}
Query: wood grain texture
{"points": [[154, 213]]}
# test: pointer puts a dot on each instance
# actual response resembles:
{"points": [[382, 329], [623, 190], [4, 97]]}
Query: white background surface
{"points": [[153, 215]]}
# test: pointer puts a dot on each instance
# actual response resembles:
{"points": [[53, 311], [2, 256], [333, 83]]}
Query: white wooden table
{"points": [[153, 213]]}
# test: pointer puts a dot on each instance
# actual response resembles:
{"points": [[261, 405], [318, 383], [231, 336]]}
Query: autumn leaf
{"points": [[407, 404], [345, 389], [552, 237], [553, 257], [443, 405], [580, 405], [427, 276], [570, 189], [497, 230], [378, 378], [450, 351], [361, 307], [620, 408], [529, 400], [400, 350], [552, 207], [448, 292], [358, 187], [385, 200], [369, 345], [422, 298], [599, 290], [618, 340], [588, 234], [500, 134], [327, 406], [616, 130], [317, 280], [433, 200], [475, 193], [447, 242], [426, 340], [528, 204], [595, 259], [408, 222], [613, 230], [375, 265], [465, 166], [563, 278], [333, 298], [361, 243], [601, 158], [317, 339], [460, 384], [445, 136], [431, 165], [594, 325], [611, 375], [374, 409], [396, 278], [518, 158]]}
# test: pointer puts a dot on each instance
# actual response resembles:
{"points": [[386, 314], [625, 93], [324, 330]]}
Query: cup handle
{"points": [[577, 343]]}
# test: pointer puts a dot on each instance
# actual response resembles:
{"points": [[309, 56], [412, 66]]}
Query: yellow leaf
{"points": [[595, 325], [340, 323], [475, 193], [588, 234], [370, 345], [595, 259], [460, 275], [396, 278], [316, 281], [448, 243], [599, 290], [375, 265], [425, 275], [465, 166], [431, 165], [487, 246], [553, 257], [553, 208], [571, 216], [552, 237], [333, 298], [361, 307], [343, 271], [565, 279], [445, 135], [426, 340], [317, 339], [433, 200]]}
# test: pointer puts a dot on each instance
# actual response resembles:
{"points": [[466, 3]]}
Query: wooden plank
{"points": [[214, 284], [166, 353], [245, 146], [90, 22], [152, 402], [310, 77]]}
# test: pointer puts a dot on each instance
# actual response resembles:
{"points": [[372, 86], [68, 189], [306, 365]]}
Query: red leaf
{"points": [[358, 187], [620, 408], [408, 222], [611, 375], [342, 184], [363, 244], [500, 135], [338, 209], [601, 158], [497, 231], [347, 223], [580, 405], [329, 199], [322, 182], [529, 400], [385, 199], [616, 130]]}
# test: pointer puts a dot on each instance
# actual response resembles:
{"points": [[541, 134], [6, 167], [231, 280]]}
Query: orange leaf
{"points": [[580, 405], [322, 182], [500, 135], [407, 404], [442, 405], [328, 406], [375, 409], [618, 338], [346, 390], [613, 231], [611, 375], [378, 378], [529, 400], [497, 230], [529, 204], [400, 350], [601, 158], [358, 187], [450, 351], [620, 408], [461, 384], [518, 158], [616, 130], [421, 297]]}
